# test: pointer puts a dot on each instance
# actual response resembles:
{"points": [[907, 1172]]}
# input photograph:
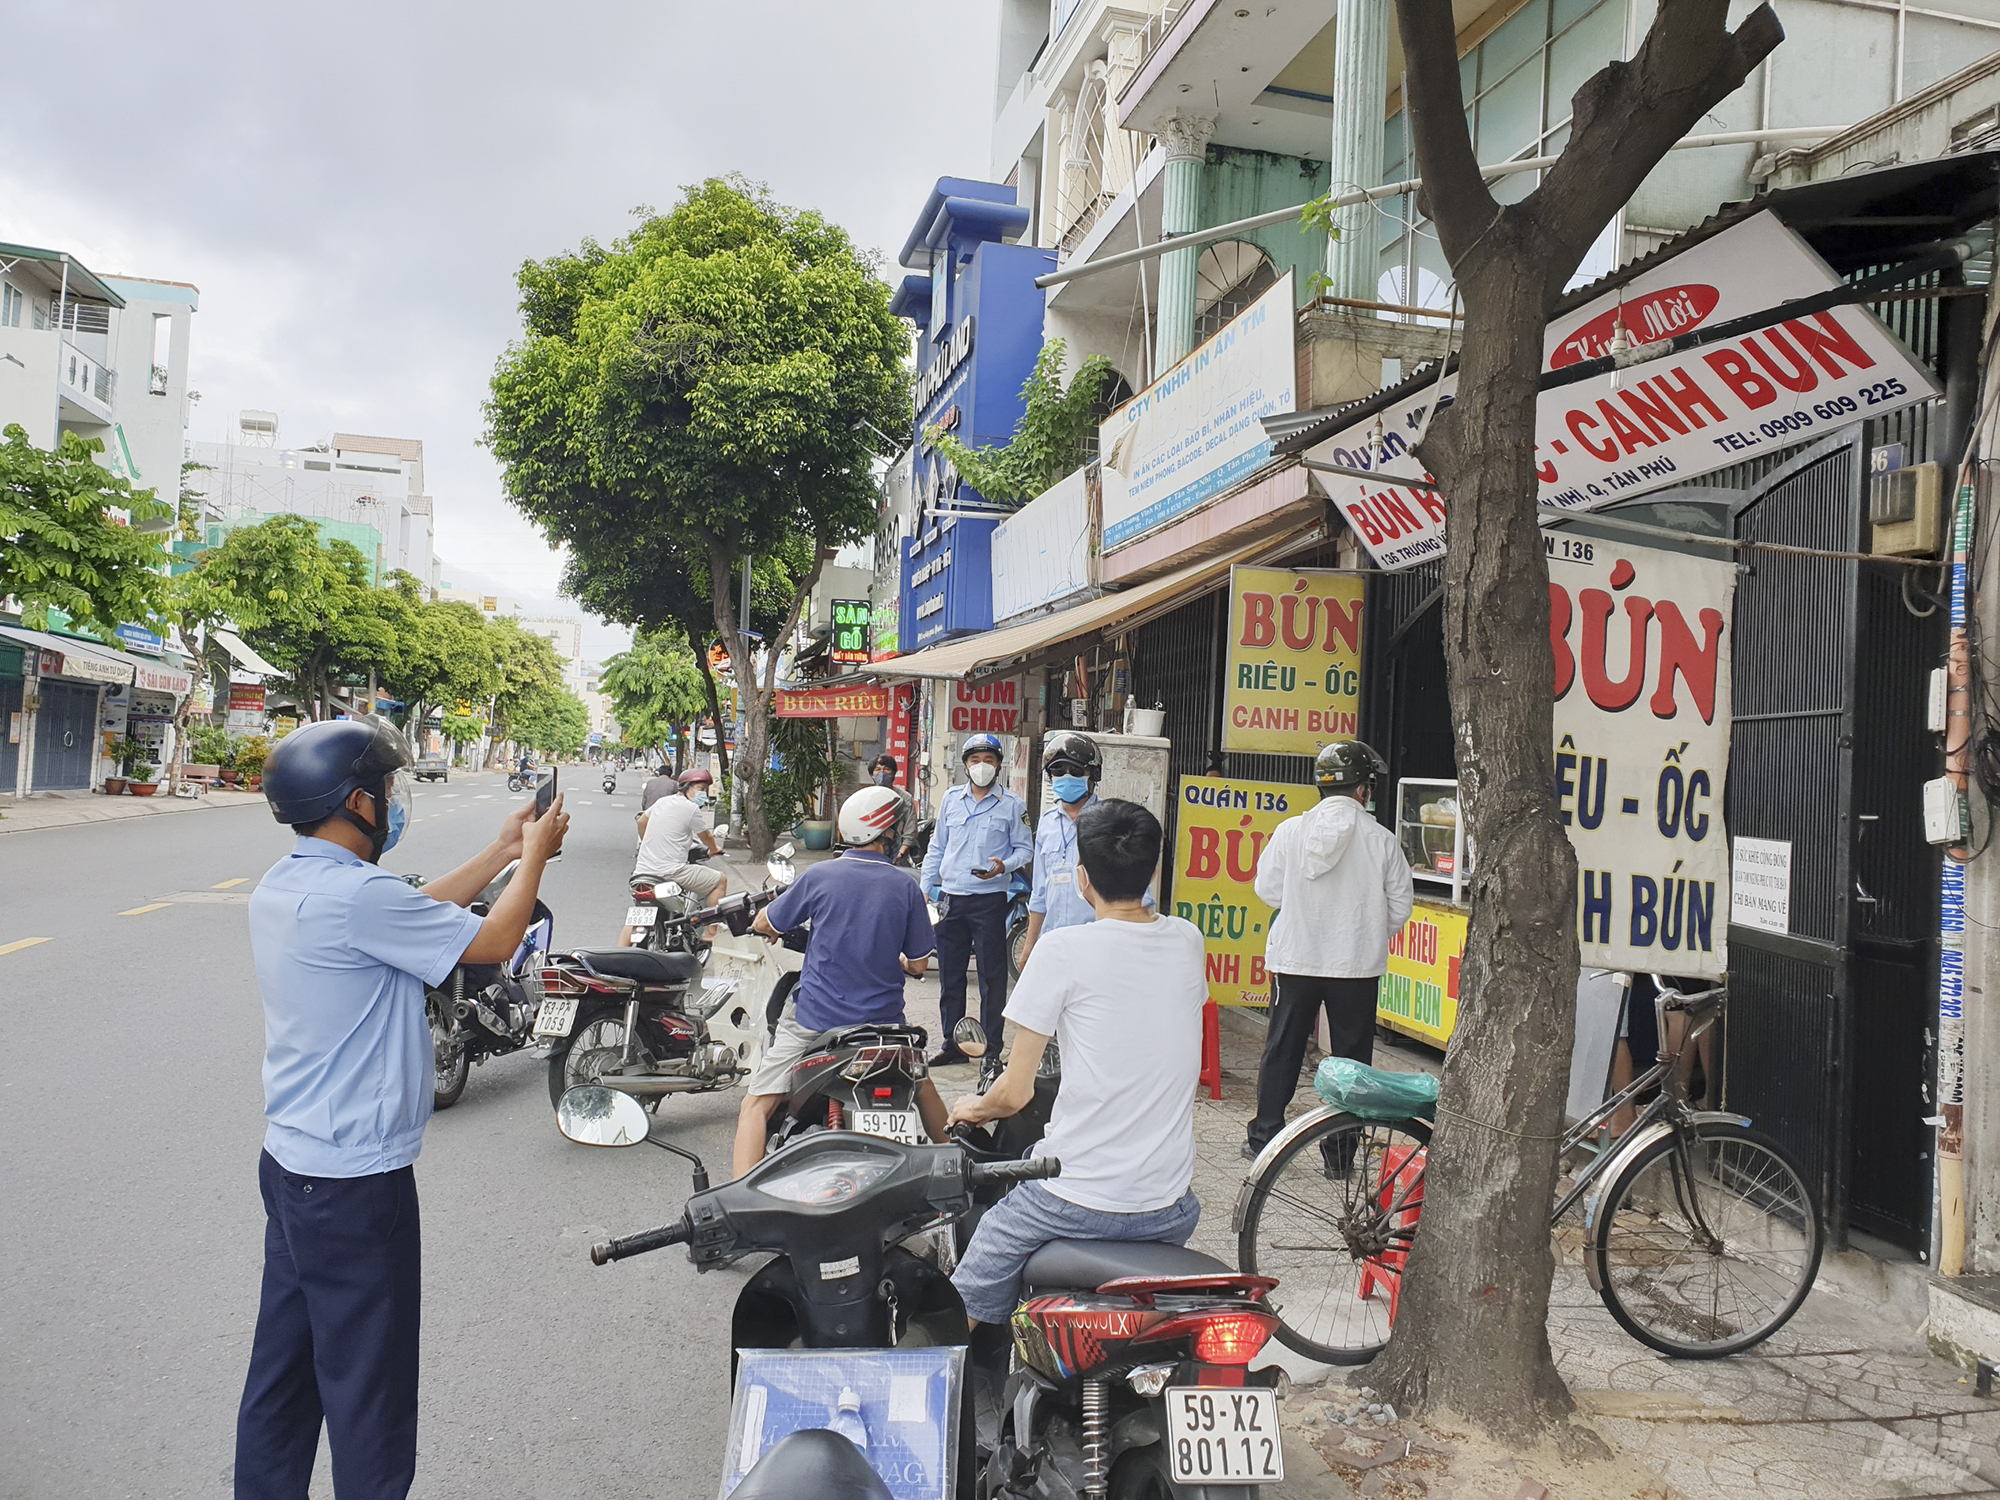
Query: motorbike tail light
{"points": [[1063, 1336], [642, 893], [885, 1093], [558, 981], [1231, 1336]]}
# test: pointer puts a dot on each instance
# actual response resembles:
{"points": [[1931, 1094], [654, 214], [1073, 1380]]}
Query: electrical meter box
{"points": [[1906, 511]]}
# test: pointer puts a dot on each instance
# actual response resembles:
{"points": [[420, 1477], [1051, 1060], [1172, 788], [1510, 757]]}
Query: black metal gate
{"points": [[1830, 1023], [65, 737], [10, 749]]}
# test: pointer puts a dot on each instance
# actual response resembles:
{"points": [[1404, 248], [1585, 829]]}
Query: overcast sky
{"points": [[352, 186]]}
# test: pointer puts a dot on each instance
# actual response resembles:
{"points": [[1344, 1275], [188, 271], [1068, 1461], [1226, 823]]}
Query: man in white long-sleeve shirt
{"points": [[1342, 889]]}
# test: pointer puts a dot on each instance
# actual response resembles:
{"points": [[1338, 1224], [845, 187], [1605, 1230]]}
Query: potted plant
{"points": [[251, 754], [122, 751], [143, 784]]}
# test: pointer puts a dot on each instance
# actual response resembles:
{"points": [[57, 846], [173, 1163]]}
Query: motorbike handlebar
{"points": [[979, 1173], [639, 1244]]}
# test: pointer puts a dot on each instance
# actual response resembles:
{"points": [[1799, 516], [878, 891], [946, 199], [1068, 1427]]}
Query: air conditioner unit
{"points": [[1906, 511]]}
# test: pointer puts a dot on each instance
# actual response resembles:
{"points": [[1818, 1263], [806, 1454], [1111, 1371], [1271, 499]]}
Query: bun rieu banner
{"points": [[1294, 660], [1664, 421]]}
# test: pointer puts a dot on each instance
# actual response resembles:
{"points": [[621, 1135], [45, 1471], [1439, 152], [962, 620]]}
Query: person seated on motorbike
{"points": [[1123, 997], [870, 928], [666, 829]]}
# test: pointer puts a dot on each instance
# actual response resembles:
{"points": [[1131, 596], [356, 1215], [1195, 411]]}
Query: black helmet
{"points": [[314, 769], [1067, 747], [1347, 764]]}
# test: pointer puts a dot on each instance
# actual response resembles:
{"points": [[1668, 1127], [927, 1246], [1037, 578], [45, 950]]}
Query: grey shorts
{"points": [[699, 881], [773, 1072]]}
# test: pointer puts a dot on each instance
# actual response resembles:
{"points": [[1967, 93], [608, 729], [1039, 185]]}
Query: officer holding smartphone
{"points": [[343, 950]]}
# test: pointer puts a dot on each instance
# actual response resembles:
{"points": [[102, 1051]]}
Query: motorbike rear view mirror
{"points": [[592, 1115], [784, 851], [721, 832], [969, 1037]]}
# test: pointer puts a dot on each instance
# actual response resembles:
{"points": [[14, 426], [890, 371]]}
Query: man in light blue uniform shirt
{"points": [[343, 951], [1074, 765], [980, 840]]}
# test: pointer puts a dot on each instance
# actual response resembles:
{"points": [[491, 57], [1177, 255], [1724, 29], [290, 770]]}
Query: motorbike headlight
{"points": [[829, 1178]]}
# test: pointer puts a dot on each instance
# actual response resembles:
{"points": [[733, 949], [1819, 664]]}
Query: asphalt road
{"points": [[130, 1225]]}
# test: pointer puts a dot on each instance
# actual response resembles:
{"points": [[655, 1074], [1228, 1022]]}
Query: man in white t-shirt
{"points": [[667, 830], [1122, 996]]}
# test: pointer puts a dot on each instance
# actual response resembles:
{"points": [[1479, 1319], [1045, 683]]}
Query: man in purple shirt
{"points": [[870, 928]]}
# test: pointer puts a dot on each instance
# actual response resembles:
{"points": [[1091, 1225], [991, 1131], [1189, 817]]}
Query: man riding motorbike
{"points": [[869, 929], [666, 829], [1123, 997]]}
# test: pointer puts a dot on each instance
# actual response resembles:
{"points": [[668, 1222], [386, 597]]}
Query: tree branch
{"points": [[821, 556], [1629, 114], [1454, 196]]}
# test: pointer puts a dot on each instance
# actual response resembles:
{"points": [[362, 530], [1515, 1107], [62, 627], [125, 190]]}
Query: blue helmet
{"points": [[974, 743], [313, 770]]}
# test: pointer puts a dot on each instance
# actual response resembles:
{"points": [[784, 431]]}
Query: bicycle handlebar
{"points": [[639, 1244]]}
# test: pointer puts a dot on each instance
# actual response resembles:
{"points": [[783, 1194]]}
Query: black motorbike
{"points": [[610, 782], [1129, 1376], [485, 1010]]}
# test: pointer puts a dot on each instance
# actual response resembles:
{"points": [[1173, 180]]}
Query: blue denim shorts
{"points": [[989, 1274]]}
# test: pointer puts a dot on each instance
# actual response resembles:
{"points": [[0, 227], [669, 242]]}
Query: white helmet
{"points": [[874, 812]]}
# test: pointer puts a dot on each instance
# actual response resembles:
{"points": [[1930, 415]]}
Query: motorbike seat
{"points": [[813, 1464], [1070, 1265], [642, 964]]}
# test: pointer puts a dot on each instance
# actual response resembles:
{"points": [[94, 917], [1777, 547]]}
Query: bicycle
{"points": [[1702, 1238]]}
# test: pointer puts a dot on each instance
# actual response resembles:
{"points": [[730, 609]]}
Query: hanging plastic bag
{"points": [[1373, 1094]]}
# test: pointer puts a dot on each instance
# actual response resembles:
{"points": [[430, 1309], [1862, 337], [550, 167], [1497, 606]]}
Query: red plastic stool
{"points": [[1403, 1172]]}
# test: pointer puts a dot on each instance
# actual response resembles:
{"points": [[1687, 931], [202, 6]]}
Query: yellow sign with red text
{"points": [[1222, 827], [1294, 682], [1419, 994]]}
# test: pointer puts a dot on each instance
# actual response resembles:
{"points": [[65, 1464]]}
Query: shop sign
{"points": [[86, 666], [1419, 992], [1222, 827], [139, 639], [283, 726], [1199, 428], [1665, 421], [850, 630], [246, 706], [986, 707], [955, 352], [1642, 641], [1760, 884], [886, 627], [1294, 668], [832, 702], [896, 736], [948, 580], [49, 663], [155, 678], [1046, 552]]}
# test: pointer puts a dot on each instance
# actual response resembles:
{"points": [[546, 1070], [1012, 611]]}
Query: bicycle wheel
{"points": [[1329, 1216], [1707, 1252]]}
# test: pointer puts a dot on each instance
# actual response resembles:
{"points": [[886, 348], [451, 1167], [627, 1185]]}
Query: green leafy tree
{"points": [[61, 547], [695, 394], [461, 730], [1051, 439], [447, 652], [530, 675], [656, 690], [551, 723]]}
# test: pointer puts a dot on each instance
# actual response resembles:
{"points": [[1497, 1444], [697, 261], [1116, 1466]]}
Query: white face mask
{"points": [[982, 774]]}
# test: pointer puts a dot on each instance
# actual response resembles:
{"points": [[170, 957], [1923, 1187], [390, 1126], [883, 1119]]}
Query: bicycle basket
{"points": [[1373, 1094]]}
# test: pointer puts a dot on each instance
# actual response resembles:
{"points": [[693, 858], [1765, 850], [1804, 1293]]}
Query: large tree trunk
{"points": [[1471, 1334]]}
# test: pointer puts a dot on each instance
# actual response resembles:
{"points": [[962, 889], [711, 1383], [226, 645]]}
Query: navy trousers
{"points": [[1295, 1007], [973, 924], [336, 1337]]}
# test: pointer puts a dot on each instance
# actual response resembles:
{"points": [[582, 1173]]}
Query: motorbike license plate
{"points": [[1223, 1435], [557, 1015], [641, 916], [894, 1124]]}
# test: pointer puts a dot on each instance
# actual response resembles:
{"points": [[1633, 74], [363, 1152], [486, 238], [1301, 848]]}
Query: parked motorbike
{"points": [[1131, 1376], [1019, 888], [484, 1010]]}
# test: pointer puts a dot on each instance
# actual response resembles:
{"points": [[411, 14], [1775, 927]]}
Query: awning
{"points": [[99, 664], [246, 656], [979, 655]]}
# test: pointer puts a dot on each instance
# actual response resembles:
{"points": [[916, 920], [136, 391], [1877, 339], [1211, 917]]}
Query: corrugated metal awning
{"points": [[96, 665], [988, 652]]}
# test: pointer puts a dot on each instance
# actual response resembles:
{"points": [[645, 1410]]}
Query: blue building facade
{"points": [[979, 328]]}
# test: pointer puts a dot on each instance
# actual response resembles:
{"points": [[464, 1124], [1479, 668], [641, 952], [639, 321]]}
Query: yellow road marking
{"points": [[20, 943], [140, 911], [223, 885]]}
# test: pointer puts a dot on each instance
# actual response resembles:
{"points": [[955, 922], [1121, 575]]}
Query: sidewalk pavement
{"points": [[60, 809]]}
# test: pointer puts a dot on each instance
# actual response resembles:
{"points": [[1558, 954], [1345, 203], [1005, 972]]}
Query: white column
{"points": [[1185, 139], [1360, 82]]}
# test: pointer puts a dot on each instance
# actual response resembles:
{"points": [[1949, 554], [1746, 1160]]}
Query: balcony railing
{"points": [[1155, 32], [87, 376]]}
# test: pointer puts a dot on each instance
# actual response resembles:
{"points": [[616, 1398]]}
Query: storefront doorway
{"points": [[10, 749], [65, 736]]}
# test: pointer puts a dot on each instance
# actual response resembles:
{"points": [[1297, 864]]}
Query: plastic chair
{"points": [[1402, 1173]]}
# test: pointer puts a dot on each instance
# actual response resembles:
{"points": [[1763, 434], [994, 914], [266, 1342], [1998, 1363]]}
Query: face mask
{"points": [[1070, 788], [982, 774], [399, 817], [700, 799], [885, 778]]}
